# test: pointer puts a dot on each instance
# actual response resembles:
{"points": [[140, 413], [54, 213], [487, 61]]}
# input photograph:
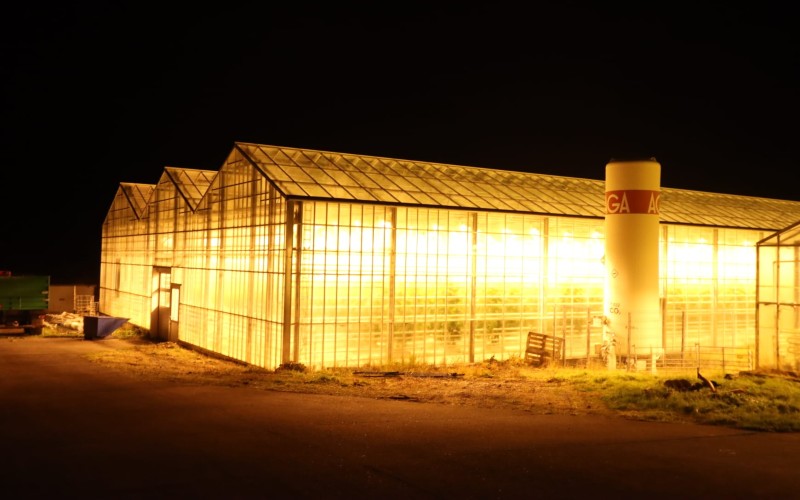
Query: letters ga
{"points": [[633, 201]]}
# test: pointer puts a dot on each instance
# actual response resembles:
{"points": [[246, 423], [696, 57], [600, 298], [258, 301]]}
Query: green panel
{"points": [[24, 293]]}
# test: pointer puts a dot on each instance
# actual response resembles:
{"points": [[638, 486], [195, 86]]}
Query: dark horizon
{"points": [[96, 95]]}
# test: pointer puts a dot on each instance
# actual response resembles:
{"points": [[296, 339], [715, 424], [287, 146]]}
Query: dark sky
{"points": [[98, 94]]}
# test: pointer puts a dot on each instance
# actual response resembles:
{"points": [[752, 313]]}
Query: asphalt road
{"points": [[73, 429]]}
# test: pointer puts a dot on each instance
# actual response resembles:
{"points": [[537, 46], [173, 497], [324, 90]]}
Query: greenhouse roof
{"points": [[788, 237], [326, 176], [321, 175], [137, 195], [191, 184]]}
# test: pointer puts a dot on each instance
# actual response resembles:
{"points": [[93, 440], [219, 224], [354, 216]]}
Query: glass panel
{"points": [[361, 194], [382, 195], [314, 190], [342, 178], [338, 192], [292, 189], [378, 181], [404, 197], [317, 174], [297, 174], [275, 173], [402, 182], [462, 201]]}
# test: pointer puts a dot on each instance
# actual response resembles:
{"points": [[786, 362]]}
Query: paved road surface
{"points": [[70, 428]]}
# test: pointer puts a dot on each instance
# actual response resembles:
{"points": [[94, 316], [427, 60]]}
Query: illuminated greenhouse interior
{"points": [[340, 260]]}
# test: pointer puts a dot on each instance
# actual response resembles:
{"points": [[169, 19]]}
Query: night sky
{"points": [[98, 94]]}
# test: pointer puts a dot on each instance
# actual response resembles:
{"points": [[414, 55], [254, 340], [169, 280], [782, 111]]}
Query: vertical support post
{"points": [[588, 335], [297, 238], [629, 334], [723, 359], [392, 281], [697, 354], [758, 301], [473, 309], [563, 336], [778, 305], [286, 341], [653, 359], [683, 335]]}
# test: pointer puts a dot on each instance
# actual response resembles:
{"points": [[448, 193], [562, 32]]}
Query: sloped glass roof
{"points": [[137, 196], [714, 209], [345, 177], [788, 237], [303, 173], [191, 184]]}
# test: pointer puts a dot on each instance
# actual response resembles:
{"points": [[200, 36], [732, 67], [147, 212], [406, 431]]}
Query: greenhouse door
{"points": [[162, 299], [175, 300]]}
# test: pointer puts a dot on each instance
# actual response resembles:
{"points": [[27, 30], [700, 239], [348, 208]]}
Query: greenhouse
{"points": [[778, 298], [289, 255]]}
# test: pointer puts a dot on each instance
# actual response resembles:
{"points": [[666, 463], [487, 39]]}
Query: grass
{"points": [[767, 401], [764, 400], [761, 401]]}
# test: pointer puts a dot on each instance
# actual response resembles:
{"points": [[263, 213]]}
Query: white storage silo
{"points": [[632, 311]]}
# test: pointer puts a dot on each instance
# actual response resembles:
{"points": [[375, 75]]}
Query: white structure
{"points": [[633, 316]]}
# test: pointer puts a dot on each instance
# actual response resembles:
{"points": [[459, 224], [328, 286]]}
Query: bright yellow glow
{"points": [[692, 262], [491, 276], [738, 263], [695, 262]]}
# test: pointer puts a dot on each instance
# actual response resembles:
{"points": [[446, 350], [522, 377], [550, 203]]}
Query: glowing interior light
{"points": [[691, 261], [739, 263], [215, 242]]}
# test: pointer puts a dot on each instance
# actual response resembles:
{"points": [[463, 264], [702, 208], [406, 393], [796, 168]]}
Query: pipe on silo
{"points": [[633, 315]]}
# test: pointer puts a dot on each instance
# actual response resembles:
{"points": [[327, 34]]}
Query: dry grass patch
{"points": [[507, 384]]}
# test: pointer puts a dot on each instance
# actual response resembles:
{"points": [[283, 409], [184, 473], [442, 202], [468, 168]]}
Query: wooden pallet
{"points": [[542, 349]]}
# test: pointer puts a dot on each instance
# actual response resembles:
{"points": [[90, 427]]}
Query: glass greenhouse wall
{"points": [[778, 336], [333, 260]]}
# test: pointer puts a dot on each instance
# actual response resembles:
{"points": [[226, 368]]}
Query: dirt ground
{"points": [[101, 419], [485, 385]]}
